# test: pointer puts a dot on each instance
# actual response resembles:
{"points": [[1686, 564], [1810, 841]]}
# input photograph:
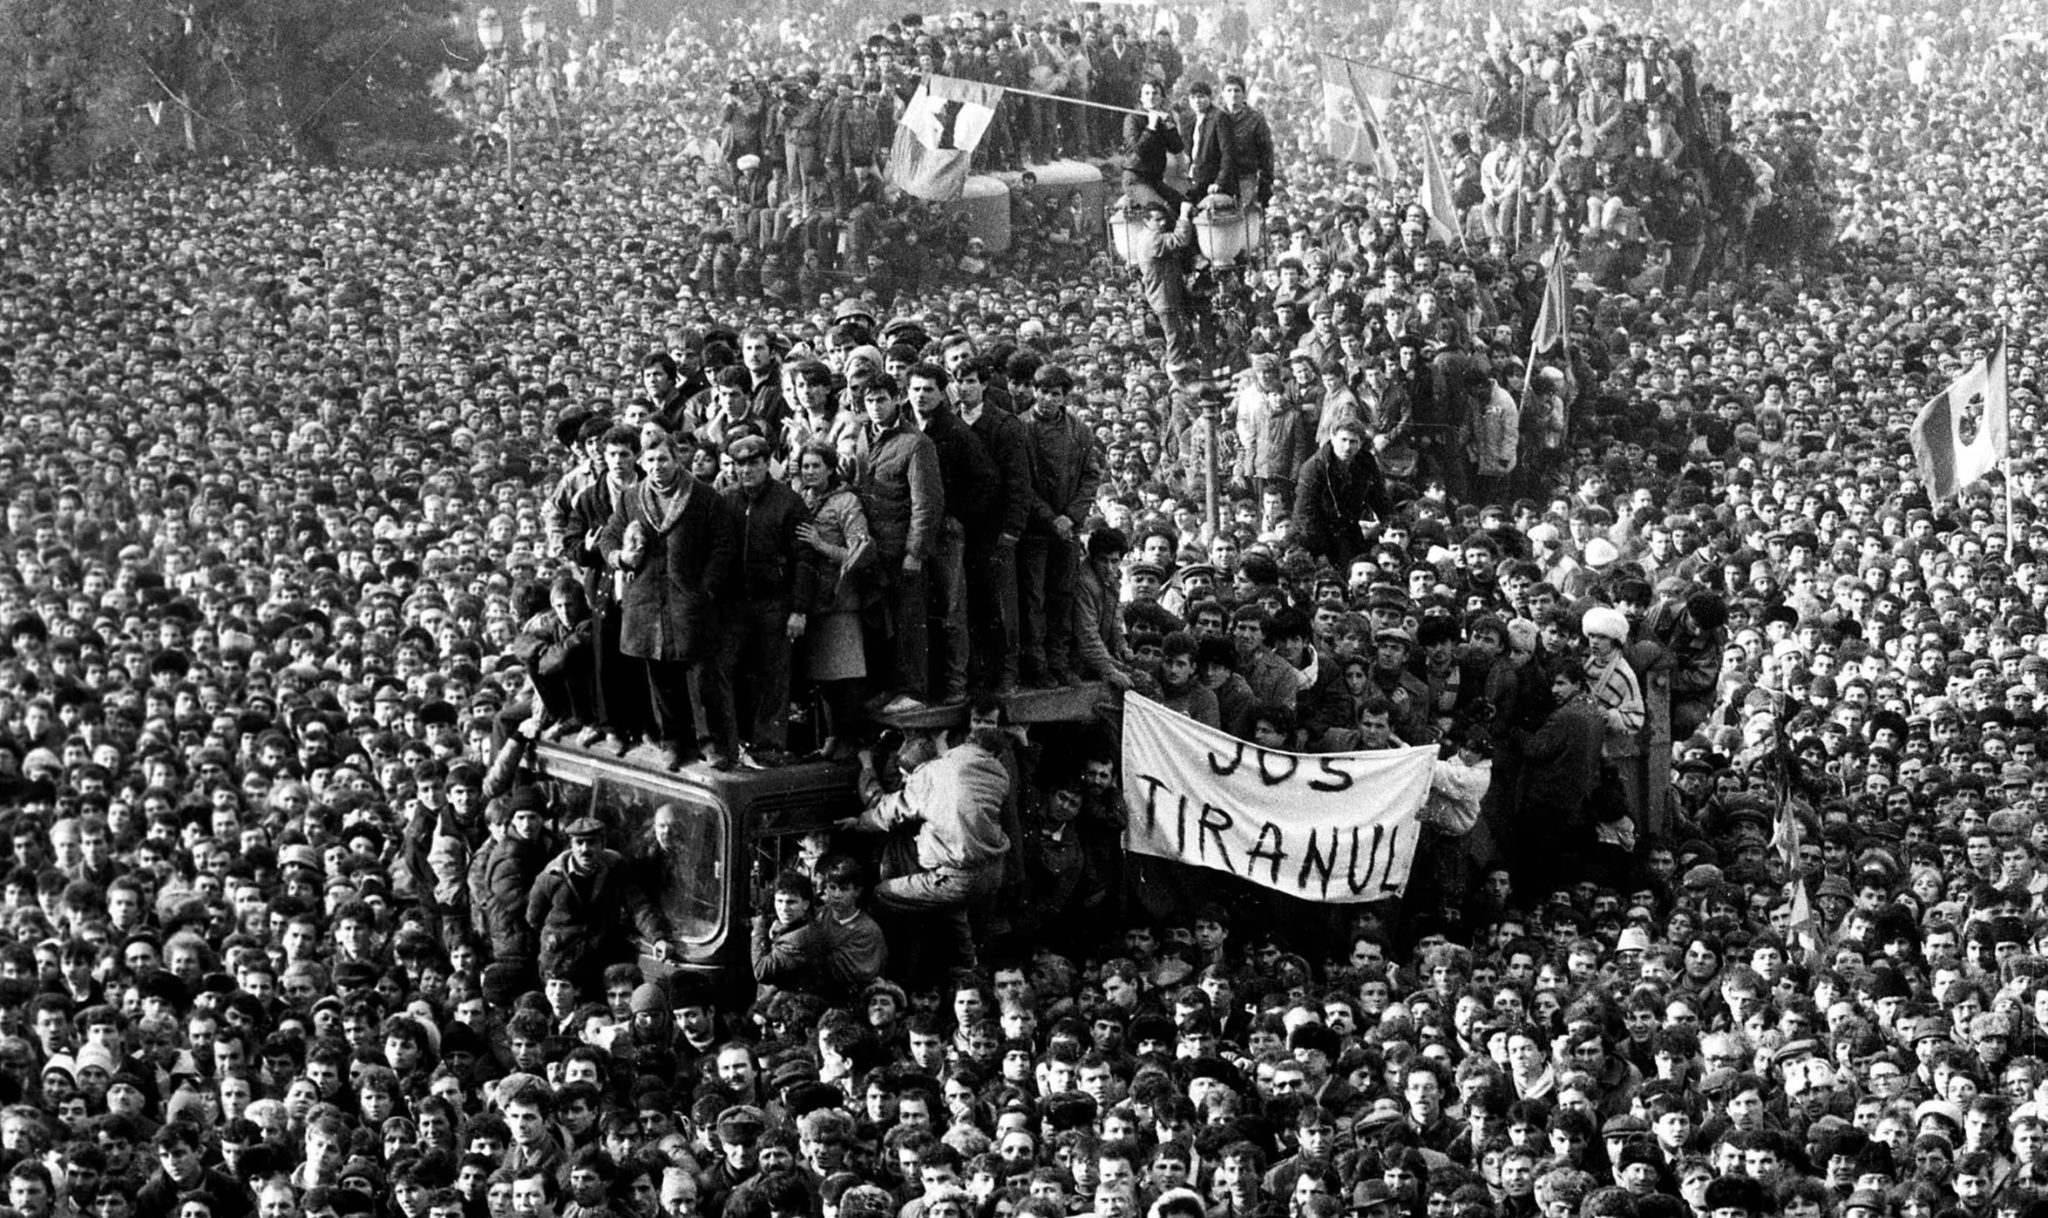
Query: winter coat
{"points": [[671, 598], [511, 867], [1332, 497], [1563, 762], [900, 487], [1695, 664], [1003, 434], [448, 850], [1066, 470], [956, 803], [579, 918], [841, 522], [770, 559], [965, 471]]}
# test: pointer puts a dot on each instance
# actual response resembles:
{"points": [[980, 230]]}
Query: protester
{"points": [[332, 493]]}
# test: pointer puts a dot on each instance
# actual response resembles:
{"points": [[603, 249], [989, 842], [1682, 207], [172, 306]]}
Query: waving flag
{"points": [[1554, 320], [1356, 130], [937, 136], [1437, 199], [1960, 435]]}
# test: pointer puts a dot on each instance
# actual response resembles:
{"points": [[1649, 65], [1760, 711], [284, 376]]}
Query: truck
{"points": [[738, 828]]}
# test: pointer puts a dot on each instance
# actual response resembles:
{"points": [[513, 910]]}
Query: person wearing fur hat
{"points": [[1614, 689]]}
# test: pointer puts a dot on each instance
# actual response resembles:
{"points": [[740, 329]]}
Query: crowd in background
{"points": [[309, 539]]}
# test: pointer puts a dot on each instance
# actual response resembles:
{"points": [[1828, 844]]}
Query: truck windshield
{"points": [[691, 837]]}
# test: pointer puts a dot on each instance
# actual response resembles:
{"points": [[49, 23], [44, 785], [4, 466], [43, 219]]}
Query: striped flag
{"points": [[1553, 321], [1960, 435], [1356, 130], [1437, 199], [1806, 928], [937, 135]]}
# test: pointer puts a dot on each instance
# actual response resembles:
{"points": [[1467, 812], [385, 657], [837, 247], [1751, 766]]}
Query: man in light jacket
{"points": [[955, 802]]}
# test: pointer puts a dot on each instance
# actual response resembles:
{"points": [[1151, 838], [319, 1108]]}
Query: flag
{"points": [[1786, 837], [1437, 199], [1352, 96], [937, 136], [1806, 927], [1960, 435], [1553, 321]]}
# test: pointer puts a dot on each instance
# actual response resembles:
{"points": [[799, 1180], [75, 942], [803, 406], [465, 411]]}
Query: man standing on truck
{"points": [[955, 802]]}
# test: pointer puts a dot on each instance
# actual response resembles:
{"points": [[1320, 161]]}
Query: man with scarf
{"points": [[676, 540]]}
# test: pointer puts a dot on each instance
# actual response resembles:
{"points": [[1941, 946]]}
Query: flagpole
{"points": [[2005, 395], [1420, 80], [1432, 155], [1073, 101]]}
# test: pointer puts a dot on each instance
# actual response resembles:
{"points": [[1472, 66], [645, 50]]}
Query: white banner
{"points": [[1337, 828]]}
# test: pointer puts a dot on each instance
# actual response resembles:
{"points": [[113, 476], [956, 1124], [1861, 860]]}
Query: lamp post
{"points": [[1212, 415], [490, 34]]}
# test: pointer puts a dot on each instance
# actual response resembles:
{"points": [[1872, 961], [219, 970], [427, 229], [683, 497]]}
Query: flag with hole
{"points": [[1960, 435], [937, 136], [1353, 122]]}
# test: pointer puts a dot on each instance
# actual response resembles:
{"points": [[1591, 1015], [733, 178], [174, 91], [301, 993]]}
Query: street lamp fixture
{"points": [[490, 34], [490, 30], [533, 25]]}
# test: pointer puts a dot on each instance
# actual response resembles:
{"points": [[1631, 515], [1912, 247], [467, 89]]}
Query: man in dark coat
{"points": [[1210, 139], [578, 907], [761, 627], [180, 1171], [503, 874], [1339, 486], [1252, 139], [1562, 758], [1066, 471], [970, 482], [992, 562], [1150, 139], [899, 483], [676, 540]]}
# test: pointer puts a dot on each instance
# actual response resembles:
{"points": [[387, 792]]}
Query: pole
{"points": [[1211, 410], [1420, 80], [1074, 101], [505, 80], [2005, 397]]}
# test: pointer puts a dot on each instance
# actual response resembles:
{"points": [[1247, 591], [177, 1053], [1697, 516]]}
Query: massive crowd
{"points": [[328, 493]]}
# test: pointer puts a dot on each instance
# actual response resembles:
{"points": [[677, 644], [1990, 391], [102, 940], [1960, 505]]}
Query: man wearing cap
{"points": [[578, 905], [1066, 472], [761, 627]]}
